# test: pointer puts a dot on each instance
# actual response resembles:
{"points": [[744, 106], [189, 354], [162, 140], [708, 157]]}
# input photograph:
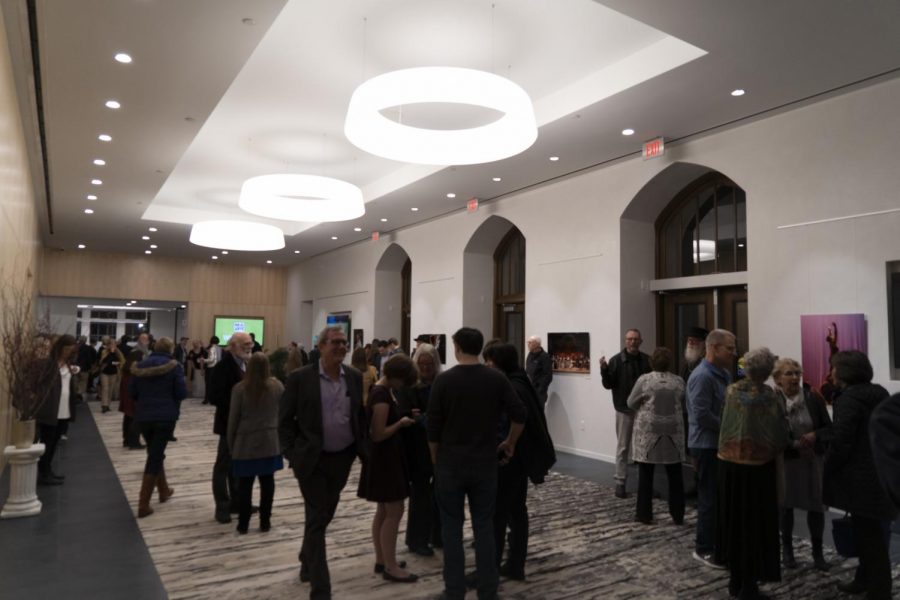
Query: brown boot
{"points": [[165, 492], [147, 485]]}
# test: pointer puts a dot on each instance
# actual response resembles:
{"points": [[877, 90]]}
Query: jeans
{"points": [[452, 484], [49, 436], [157, 434], [707, 486], [645, 491]]}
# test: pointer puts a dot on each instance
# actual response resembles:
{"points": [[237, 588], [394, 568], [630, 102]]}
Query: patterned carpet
{"points": [[584, 543]]}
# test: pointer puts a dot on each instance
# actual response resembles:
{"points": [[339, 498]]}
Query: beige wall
{"points": [[209, 289], [19, 236]]}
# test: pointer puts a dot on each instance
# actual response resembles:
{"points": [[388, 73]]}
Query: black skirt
{"points": [[747, 521]]}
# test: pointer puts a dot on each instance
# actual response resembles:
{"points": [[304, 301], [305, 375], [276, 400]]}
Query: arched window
{"points": [[509, 290], [703, 230]]}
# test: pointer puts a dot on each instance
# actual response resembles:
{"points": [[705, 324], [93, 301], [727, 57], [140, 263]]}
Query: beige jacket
{"points": [[253, 424]]}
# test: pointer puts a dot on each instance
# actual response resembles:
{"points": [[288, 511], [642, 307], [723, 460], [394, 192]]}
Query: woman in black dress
{"points": [[385, 475]]}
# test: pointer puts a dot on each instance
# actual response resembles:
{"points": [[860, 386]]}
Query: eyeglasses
{"points": [[792, 373], [338, 342]]}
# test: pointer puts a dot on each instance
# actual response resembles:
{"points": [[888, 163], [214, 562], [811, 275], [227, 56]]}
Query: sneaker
{"points": [[708, 560]]}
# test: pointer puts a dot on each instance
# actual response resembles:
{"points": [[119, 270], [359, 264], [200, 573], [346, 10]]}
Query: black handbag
{"points": [[844, 540]]}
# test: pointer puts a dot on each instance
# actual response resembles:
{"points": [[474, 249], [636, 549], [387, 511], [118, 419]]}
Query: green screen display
{"points": [[224, 327]]}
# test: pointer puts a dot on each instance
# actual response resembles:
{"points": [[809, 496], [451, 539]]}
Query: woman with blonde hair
{"points": [[253, 439]]}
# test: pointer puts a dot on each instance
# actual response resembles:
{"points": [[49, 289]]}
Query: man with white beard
{"points": [[694, 350]]}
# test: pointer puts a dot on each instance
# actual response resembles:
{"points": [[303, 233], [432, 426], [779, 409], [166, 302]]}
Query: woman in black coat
{"points": [[851, 480], [58, 407]]}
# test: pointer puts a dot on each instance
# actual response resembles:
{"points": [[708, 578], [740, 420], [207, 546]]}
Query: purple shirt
{"points": [[336, 429]]}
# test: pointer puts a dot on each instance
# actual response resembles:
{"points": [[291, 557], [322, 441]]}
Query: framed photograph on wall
{"points": [[439, 341], [823, 335], [570, 352], [342, 320], [358, 338]]}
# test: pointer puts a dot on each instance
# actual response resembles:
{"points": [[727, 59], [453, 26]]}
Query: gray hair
{"points": [[325, 334], [535, 338], [164, 344], [758, 364], [426, 348], [717, 337], [783, 364]]}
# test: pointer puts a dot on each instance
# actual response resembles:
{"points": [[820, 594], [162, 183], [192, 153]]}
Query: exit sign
{"points": [[375, 236], [654, 148], [472, 205]]}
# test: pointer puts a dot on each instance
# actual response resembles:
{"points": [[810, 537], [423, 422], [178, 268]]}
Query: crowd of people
{"points": [[761, 446]]}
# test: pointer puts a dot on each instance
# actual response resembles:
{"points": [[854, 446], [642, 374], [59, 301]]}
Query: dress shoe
{"points": [[47, 479], [644, 520], [620, 491], [851, 587], [242, 529], [511, 573], [104, 409], [172, 438], [410, 578], [379, 567], [223, 517], [265, 525], [56, 476], [304, 575], [136, 447], [422, 551]]}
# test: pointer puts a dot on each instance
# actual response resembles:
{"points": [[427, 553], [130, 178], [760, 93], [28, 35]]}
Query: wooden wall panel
{"points": [[209, 289]]}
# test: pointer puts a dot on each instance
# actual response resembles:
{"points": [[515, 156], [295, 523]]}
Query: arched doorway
{"points": [[494, 281], [393, 291]]}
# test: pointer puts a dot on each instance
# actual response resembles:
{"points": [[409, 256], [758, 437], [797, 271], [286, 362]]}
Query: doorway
{"points": [[710, 308]]}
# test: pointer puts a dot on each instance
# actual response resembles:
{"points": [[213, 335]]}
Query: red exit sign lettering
{"points": [[472, 205], [654, 148]]}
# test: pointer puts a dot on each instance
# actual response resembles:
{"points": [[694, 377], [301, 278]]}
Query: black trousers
{"points": [[874, 568], [645, 491], [131, 432], [224, 484], [510, 511], [157, 434], [321, 491], [245, 495], [49, 436], [422, 511]]}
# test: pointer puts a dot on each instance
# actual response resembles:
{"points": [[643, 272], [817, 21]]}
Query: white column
{"points": [[23, 500]]}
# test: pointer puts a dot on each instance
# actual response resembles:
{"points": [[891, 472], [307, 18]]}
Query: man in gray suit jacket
{"points": [[322, 428]]}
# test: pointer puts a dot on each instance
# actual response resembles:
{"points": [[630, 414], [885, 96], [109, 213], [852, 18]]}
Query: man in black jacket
{"points": [[539, 369], [619, 375], [227, 373], [322, 428]]}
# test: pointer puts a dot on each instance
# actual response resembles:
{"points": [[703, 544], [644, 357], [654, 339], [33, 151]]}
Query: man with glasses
{"points": [[227, 373], [322, 428], [705, 399], [619, 375]]}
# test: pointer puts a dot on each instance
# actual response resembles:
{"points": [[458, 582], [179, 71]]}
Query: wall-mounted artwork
{"points": [[823, 335], [342, 320], [357, 338], [439, 341], [570, 352]]}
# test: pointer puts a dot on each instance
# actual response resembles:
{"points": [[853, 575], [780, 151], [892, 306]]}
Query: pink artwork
{"points": [[823, 335]]}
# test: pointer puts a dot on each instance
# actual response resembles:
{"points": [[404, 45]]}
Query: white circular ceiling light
{"points": [[237, 235], [305, 198], [371, 131]]}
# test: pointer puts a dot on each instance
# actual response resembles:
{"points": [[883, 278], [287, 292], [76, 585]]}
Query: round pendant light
{"points": [[237, 235], [371, 131], [308, 198]]}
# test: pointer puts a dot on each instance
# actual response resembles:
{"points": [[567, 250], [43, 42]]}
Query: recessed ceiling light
{"points": [[224, 252], [357, 229], [268, 262], [214, 257], [384, 220], [498, 179], [740, 245], [184, 306], [153, 246], [148, 251], [554, 158], [334, 237], [89, 211], [414, 209], [451, 195], [99, 162], [123, 58], [104, 137], [91, 197], [152, 229], [96, 181], [738, 92], [628, 131], [113, 104], [145, 237], [81, 246]]}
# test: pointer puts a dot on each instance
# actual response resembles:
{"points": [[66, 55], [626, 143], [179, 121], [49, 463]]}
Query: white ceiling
{"points": [[210, 101]]}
